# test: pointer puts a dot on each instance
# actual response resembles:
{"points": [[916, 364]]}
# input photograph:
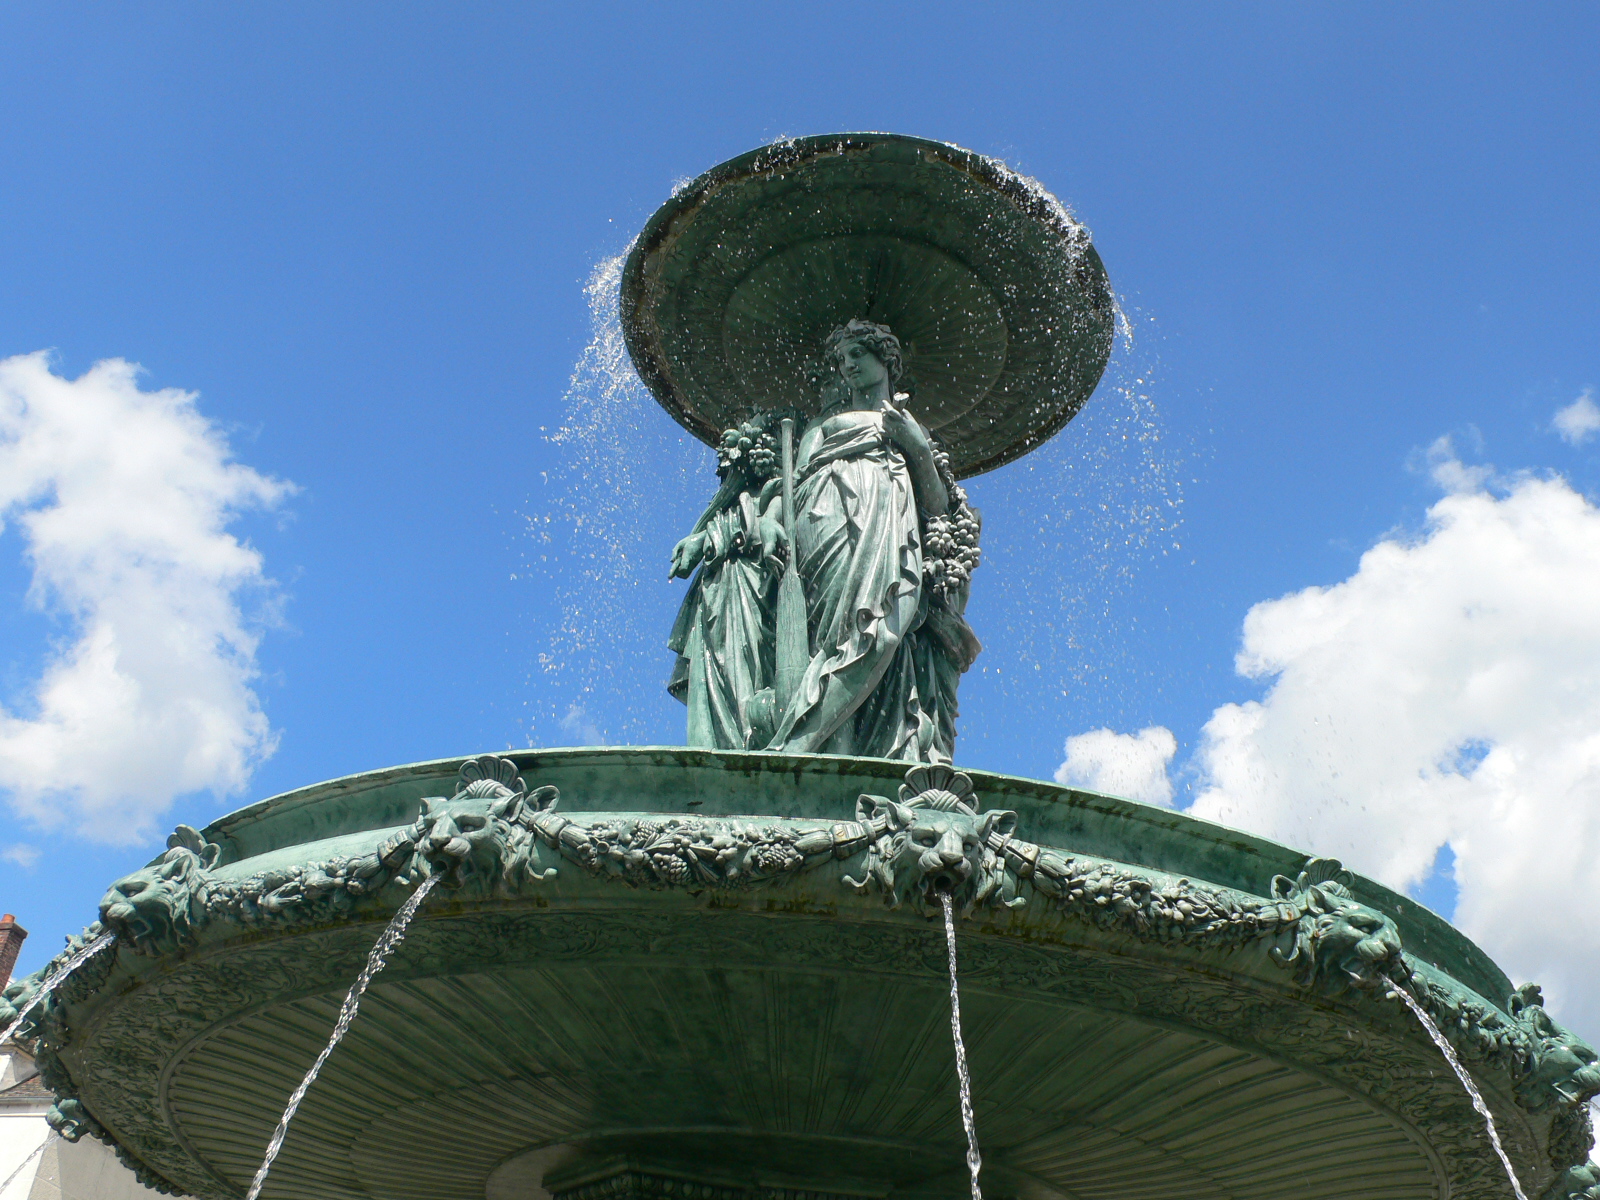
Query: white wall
{"points": [[83, 1170], [22, 1129]]}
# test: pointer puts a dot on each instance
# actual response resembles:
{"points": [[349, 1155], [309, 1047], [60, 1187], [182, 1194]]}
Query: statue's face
{"points": [[861, 368]]}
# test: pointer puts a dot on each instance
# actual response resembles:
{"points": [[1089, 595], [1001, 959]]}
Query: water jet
{"points": [[717, 971]]}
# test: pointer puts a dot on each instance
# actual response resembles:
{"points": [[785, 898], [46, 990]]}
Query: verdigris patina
{"points": [[567, 847], [930, 280], [884, 542], [996, 291], [709, 972], [554, 872]]}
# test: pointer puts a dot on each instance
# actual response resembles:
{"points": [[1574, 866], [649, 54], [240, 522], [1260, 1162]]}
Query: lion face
{"points": [[161, 904], [924, 852], [467, 838], [939, 852], [148, 904], [1337, 939], [1565, 1063], [1349, 938]]}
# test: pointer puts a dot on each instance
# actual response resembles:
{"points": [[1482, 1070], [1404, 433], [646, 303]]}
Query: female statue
{"points": [[884, 543], [888, 646], [724, 632]]}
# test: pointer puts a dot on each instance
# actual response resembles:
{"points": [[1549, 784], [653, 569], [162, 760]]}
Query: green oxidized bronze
{"points": [[997, 294], [243, 935], [883, 547], [716, 972]]}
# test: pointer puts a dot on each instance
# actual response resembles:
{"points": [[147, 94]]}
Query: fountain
{"points": [[728, 970]]}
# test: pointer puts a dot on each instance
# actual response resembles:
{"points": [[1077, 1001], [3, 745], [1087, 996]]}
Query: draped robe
{"points": [[885, 655], [723, 635], [859, 545]]}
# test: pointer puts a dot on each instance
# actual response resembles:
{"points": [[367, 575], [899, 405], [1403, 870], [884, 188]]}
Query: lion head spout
{"points": [[161, 906], [1338, 941], [932, 840], [478, 838], [1562, 1067]]}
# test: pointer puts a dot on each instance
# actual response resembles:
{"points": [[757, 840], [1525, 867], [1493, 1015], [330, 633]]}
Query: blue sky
{"points": [[362, 235]]}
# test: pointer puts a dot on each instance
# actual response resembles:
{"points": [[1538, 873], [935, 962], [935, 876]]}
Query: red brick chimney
{"points": [[12, 936]]}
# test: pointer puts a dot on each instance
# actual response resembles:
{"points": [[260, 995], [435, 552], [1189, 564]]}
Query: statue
{"points": [[883, 543], [724, 633]]}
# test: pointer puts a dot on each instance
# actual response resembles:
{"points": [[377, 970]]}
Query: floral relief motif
{"points": [[688, 852], [494, 836]]}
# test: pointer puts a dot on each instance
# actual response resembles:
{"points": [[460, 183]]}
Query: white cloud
{"points": [[1578, 421], [1133, 765], [22, 854], [580, 728], [1448, 692], [122, 499]]}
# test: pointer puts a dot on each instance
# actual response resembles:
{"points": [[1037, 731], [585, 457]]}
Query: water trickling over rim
{"points": [[54, 980]]}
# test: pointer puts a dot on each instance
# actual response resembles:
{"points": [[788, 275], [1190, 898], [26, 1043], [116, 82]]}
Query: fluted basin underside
{"points": [[786, 1045], [564, 1013]]}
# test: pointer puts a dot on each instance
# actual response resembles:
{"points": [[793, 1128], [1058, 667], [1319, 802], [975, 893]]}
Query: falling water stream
{"points": [[22, 1166], [974, 1159], [386, 944], [1449, 1053], [54, 980]]}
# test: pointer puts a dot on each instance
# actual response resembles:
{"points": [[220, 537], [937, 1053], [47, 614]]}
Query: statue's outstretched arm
{"points": [[686, 554]]}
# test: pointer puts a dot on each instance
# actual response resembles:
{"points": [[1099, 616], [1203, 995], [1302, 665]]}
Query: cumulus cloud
{"points": [[1578, 421], [121, 500], [1446, 694], [1133, 765]]}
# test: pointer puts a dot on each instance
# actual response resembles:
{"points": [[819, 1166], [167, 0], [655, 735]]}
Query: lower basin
{"points": [[713, 975]]}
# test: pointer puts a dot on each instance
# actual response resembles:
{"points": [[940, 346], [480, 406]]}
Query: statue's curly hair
{"points": [[876, 338]]}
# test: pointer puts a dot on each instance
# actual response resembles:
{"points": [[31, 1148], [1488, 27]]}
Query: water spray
{"points": [[1478, 1102], [57, 977]]}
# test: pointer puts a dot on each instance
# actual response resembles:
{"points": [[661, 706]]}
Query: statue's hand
{"points": [[901, 428], [773, 535], [686, 556]]}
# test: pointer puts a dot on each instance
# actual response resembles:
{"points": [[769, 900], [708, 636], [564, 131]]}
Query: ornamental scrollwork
{"points": [[495, 836]]}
